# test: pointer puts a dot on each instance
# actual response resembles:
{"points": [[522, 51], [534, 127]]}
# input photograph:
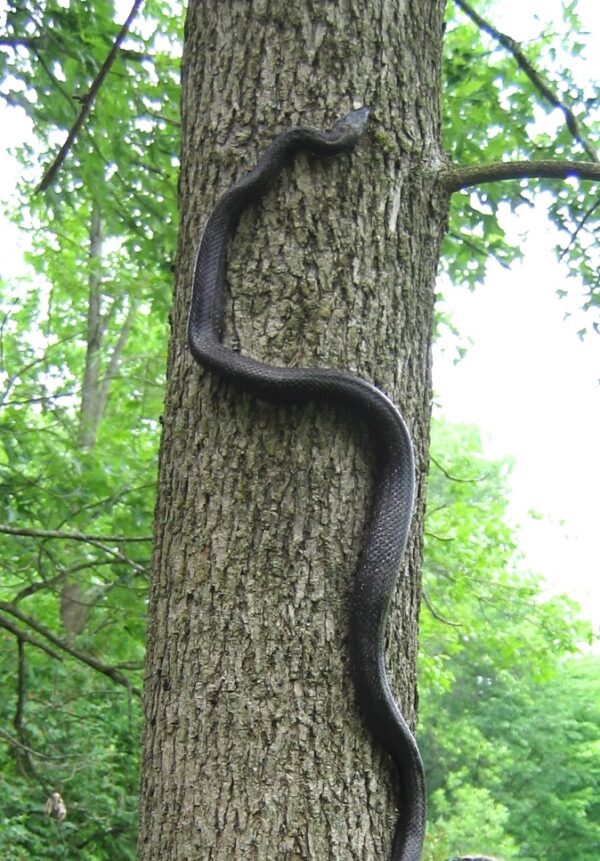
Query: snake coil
{"points": [[391, 510]]}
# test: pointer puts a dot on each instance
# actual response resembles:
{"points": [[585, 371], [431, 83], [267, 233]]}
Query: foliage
{"points": [[493, 111], [80, 738], [502, 732], [73, 580], [92, 311], [467, 817], [532, 778]]}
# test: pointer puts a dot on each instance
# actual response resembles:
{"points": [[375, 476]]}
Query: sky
{"points": [[531, 385], [527, 381]]}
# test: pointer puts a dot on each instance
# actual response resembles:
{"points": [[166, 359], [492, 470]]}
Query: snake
{"points": [[388, 522]]}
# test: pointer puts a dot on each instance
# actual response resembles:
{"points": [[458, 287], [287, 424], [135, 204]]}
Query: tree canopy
{"points": [[509, 719]]}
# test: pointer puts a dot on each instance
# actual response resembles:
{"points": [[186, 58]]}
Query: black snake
{"points": [[391, 511]]}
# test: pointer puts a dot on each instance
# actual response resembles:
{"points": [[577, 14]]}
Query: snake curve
{"points": [[391, 511]]}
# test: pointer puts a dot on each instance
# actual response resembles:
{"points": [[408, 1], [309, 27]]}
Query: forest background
{"points": [[509, 684]]}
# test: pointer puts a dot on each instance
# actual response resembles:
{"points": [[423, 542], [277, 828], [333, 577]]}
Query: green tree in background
{"points": [[506, 744], [81, 389], [509, 724]]}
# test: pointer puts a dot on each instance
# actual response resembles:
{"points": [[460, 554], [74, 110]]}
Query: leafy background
{"points": [[510, 699]]}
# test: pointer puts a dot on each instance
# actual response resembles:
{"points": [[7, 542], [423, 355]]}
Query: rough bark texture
{"points": [[253, 747]]}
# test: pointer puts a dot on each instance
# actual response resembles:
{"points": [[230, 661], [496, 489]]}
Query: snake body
{"points": [[391, 511]]}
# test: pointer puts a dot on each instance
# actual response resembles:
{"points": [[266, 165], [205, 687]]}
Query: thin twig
{"points": [[478, 249], [435, 614], [534, 76], [9, 42], [445, 539], [451, 477], [88, 100], [41, 399], [38, 754], [588, 214], [83, 657], [100, 542], [38, 585], [27, 638]]}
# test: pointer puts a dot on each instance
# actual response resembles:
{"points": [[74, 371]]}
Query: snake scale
{"points": [[392, 506]]}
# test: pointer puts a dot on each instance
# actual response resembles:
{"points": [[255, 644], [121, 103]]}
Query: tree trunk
{"points": [[253, 745], [101, 360], [91, 411]]}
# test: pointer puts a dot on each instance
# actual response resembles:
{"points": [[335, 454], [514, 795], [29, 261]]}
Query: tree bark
{"points": [[253, 746]]}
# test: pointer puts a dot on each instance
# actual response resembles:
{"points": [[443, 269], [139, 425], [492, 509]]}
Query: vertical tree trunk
{"points": [[102, 360], [253, 746], [89, 414]]}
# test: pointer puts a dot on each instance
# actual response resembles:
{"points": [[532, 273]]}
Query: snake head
{"points": [[351, 126]]}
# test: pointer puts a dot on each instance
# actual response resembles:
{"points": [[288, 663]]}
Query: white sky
{"points": [[527, 381], [531, 385]]}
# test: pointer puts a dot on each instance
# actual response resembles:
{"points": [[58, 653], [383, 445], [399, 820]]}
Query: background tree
{"points": [[81, 385], [77, 468], [497, 678]]}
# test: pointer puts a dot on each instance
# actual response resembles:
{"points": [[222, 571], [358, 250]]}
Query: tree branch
{"points": [[13, 741], [70, 536], [38, 585], [40, 399], [455, 478], [30, 41], [435, 613], [524, 64], [481, 250], [88, 100], [22, 752], [96, 541], [15, 42], [586, 216], [24, 637], [83, 657], [17, 375], [476, 174]]}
